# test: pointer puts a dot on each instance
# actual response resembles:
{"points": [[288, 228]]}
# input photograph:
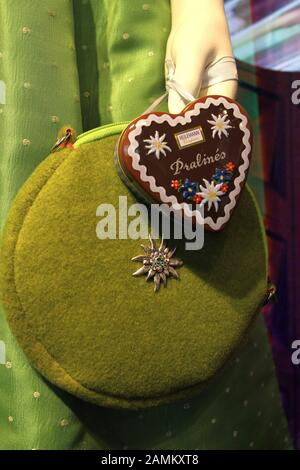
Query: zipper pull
{"points": [[65, 139], [271, 293]]}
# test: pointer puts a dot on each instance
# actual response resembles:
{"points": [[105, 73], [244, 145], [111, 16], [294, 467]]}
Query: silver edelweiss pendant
{"points": [[158, 263]]}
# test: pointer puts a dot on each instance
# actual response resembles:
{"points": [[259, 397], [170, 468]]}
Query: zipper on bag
{"points": [[100, 133]]}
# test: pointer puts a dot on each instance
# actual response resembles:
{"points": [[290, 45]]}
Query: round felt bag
{"points": [[92, 328]]}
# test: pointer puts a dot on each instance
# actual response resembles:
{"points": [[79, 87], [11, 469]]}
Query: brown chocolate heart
{"points": [[196, 162]]}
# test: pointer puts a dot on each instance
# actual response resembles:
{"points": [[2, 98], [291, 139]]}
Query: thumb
{"points": [[188, 73]]}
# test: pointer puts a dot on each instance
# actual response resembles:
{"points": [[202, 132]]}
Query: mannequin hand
{"points": [[199, 36]]}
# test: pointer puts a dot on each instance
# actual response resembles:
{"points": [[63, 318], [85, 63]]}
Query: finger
{"points": [[188, 73]]}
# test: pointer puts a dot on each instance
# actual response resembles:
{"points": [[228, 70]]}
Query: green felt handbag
{"points": [[92, 328]]}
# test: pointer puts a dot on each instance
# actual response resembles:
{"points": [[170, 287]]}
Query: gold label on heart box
{"points": [[197, 159], [190, 137]]}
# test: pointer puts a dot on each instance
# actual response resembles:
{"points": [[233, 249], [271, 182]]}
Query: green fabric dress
{"points": [[88, 63]]}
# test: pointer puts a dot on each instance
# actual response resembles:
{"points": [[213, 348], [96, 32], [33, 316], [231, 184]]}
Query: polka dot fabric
{"points": [[124, 57], [90, 63], [38, 67]]}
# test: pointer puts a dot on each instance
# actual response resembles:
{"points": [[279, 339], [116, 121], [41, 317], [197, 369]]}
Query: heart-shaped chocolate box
{"points": [[196, 162]]}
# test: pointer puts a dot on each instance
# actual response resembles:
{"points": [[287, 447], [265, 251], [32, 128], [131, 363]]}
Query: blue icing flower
{"points": [[222, 176], [189, 189]]}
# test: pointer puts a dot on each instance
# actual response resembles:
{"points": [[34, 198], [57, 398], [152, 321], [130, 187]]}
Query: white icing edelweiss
{"points": [[210, 194], [219, 125], [157, 145]]}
